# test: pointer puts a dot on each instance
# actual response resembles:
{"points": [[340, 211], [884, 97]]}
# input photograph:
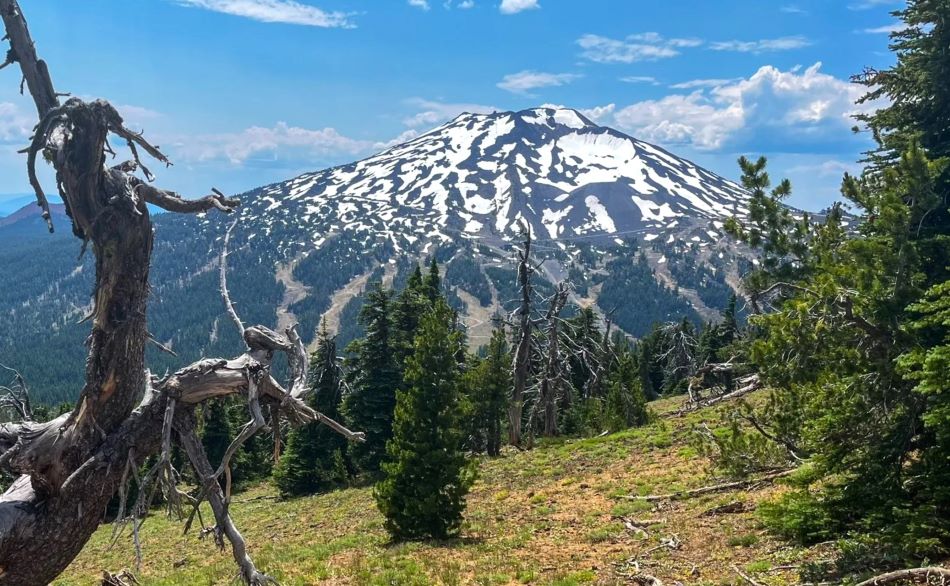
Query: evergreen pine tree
{"points": [[426, 475], [314, 458], [374, 380], [625, 404], [216, 431], [408, 308], [432, 285], [221, 420], [487, 384], [651, 377], [850, 336]]}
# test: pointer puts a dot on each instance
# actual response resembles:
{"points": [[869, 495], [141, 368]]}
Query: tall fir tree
{"points": [[374, 378], [408, 308], [314, 460], [625, 404], [651, 374], [487, 383], [422, 494], [432, 285]]}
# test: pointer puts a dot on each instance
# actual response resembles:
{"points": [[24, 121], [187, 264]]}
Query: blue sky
{"points": [[241, 93]]}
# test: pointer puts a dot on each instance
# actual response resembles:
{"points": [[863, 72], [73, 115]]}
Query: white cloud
{"points": [[762, 45], [640, 79], [466, 4], [793, 9], [137, 114], [404, 136], [885, 30], [599, 113], [432, 113], [133, 116], [771, 105], [525, 81], [703, 83], [423, 4], [639, 47], [277, 142], [15, 126], [824, 169], [868, 4], [285, 11], [515, 6]]}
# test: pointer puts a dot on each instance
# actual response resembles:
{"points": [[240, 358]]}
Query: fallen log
{"points": [[913, 576], [727, 486], [745, 577]]}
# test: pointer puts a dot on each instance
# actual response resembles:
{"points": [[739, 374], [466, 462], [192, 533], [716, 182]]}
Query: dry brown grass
{"points": [[549, 516]]}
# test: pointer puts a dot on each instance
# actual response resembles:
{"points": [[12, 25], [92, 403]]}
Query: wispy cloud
{"points": [[15, 125], [281, 141], [283, 11], [868, 4], [703, 83], [762, 45], [884, 30], [639, 47], [423, 4], [793, 9], [525, 81], [640, 79], [433, 112], [515, 6], [831, 168]]}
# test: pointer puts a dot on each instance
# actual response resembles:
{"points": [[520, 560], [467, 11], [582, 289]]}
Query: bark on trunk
{"points": [[70, 468], [553, 383], [522, 360]]}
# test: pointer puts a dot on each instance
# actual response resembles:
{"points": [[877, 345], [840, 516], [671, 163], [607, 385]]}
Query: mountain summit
{"points": [[482, 175], [634, 228]]}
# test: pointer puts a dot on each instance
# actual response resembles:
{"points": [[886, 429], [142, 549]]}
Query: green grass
{"points": [[549, 516]]}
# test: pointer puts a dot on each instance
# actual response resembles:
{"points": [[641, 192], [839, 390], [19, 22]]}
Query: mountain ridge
{"points": [[634, 228], [482, 175]]}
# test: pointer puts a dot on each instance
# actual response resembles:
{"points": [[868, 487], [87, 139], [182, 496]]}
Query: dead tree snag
{"points": [[69, 468]]}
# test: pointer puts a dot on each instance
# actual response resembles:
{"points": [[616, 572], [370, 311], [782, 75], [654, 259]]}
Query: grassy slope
{"points": [[548, 516]]}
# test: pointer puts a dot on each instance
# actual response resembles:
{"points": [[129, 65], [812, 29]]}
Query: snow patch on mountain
{"points": [[482, 175]]}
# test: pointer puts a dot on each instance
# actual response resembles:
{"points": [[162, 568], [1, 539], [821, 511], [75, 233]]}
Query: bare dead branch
{"points": [[161, 346], [224, 525], [725, 487], [173, 202], [914, 576], [521, 364], [224, 280], [745, 577]]}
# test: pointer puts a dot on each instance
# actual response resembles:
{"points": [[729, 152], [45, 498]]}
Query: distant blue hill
{"points": [[13, 202]]}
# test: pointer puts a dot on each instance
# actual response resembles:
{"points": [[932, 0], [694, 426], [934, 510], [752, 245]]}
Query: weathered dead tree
{"points": [[713, 489], [15, 397], [679, 359], [521, 366], [69, 468], [705, 388], [932, 575], [553, 384]]}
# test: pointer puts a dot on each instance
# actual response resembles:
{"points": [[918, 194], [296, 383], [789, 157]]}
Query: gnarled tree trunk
{"points": [[71, 467], [521, 365]]}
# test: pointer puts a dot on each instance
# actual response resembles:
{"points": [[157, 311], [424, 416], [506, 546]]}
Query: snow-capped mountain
{"points": [[634, 228], [481, 175]]}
